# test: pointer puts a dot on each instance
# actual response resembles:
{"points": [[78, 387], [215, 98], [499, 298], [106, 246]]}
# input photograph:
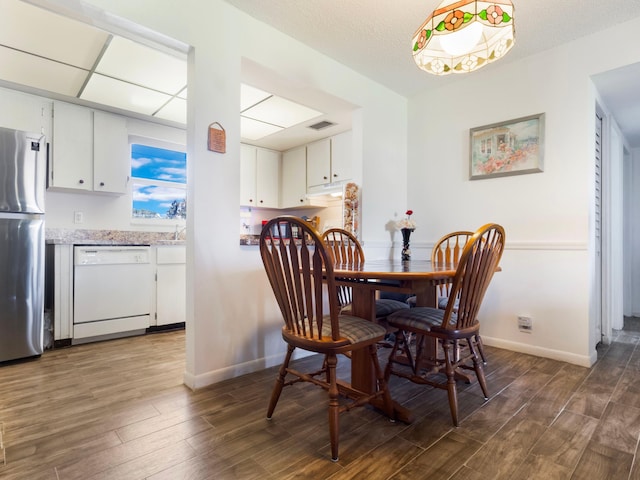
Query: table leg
{"points": [[362, 374]]}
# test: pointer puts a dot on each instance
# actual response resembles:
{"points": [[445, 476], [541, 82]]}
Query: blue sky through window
{"points": [[152, 197]]}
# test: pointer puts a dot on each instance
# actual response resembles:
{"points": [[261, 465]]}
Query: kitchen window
{"points": [[159, 181]]}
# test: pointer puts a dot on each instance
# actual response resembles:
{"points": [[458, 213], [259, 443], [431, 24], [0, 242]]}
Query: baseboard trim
{"points": [[575, 359], [194, 382]]}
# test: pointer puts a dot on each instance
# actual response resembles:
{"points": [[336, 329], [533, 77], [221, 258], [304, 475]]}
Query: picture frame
{"points": [[512, 147]]}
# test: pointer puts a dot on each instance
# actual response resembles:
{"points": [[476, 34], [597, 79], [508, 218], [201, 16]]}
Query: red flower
{"points": [[409, 212]]}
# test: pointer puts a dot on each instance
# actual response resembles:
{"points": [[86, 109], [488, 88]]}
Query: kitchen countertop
{"points": [[62, 236]]}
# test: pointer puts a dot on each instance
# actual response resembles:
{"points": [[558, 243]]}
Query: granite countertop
{"points": [[249, 239], [62, 236]]}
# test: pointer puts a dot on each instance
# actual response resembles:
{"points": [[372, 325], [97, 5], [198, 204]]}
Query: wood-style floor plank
{"points": [[118, 410]]}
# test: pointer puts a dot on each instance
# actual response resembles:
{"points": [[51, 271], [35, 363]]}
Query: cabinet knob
{"points": [[261, 201], [81, 181], [325, 177], [335, 175], [102, 184], [251, 200], [301, 200]]}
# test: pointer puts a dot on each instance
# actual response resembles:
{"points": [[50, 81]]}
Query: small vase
{"points": [[406, 236]]}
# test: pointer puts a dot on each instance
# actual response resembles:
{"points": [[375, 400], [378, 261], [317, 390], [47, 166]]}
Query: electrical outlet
{"points": [[78, 217], [525, 324]]}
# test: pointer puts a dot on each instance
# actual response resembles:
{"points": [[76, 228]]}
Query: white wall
{"points": [[548, 262]]}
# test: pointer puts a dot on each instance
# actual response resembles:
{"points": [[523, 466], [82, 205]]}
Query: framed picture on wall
{"points": [[513, 147]]}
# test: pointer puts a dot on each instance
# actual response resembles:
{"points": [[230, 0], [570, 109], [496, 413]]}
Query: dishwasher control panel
{"points": [[111, 255]]}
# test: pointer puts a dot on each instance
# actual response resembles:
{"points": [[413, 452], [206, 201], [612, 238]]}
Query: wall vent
{"points": [[321, 125]]}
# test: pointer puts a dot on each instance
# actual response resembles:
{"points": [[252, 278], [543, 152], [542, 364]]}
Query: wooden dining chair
{"points": [[455, 326], [347, 250], [300, 271], [446, 252]]}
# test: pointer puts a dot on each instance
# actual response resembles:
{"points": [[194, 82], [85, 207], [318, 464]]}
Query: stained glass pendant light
{"points": [[464, 35]]}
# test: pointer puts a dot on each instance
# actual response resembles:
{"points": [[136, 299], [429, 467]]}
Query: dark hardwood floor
{"points": [[119, 410]]}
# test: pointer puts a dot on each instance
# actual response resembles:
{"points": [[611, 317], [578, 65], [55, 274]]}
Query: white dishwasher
{"points": [[112, 291]]}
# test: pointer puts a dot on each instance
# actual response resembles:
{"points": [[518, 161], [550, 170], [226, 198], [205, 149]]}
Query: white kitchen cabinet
{"points": [[293, 189], [22, 111], [329, 160], [170, 285], [341, 156], [319, 162], [90, 150], [248, 175], [71, 163], [111, 155], [259, 177]]}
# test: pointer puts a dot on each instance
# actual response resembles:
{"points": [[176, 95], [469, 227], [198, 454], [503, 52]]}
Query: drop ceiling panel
{"points": [[254, 130], [108, 91], [175, 110], [282, 112], [249, 96], [31, 29], [40, 73], [142, 65]]}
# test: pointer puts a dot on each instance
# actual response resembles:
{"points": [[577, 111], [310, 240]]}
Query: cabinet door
{"points": [[26, 112], [319, 163], [341, 156], [293, 187], [72, 154], [171, 294], [268, 178], [170, 284], [111, 155], [248, 175]]}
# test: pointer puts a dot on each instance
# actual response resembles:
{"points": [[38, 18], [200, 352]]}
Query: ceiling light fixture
{"points": [[464, 35]]}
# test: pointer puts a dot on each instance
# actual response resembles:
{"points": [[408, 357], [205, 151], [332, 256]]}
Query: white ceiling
{"points": [[373, 37]]}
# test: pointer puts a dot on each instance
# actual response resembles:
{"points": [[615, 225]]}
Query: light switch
{"points": [[78, 217]]}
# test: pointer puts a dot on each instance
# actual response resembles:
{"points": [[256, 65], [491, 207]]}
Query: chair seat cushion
{"points": [[354, 329], [422, 318], [442, 302], [386, 306]]}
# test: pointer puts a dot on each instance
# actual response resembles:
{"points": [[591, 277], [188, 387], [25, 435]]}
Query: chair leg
{"points": [[382, 384], [277, 388], [451, 380], [334, 407], [401, 339], [477, 366], [478, 339]]}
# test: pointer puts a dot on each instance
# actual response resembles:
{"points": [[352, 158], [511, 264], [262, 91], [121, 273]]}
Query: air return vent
{"points": [[321, 125]]}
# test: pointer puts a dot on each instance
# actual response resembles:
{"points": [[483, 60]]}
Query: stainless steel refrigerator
{"points": [[23, 164]]}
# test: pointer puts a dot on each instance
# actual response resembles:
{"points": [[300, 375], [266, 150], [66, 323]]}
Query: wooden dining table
{"points": [[418, 277]]}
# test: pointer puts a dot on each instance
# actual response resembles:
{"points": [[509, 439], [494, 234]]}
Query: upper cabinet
{"points": [[111, 154], [342, 157], [293, 192], [90, 150], [319, 162], [22, 111], [329, 160], [259, 177]]}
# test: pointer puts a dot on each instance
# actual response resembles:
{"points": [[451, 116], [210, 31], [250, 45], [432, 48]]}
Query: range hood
{"points": [[335, 189]]}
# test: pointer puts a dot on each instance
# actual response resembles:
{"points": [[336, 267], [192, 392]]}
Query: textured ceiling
{"points": [[373, 36]]}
